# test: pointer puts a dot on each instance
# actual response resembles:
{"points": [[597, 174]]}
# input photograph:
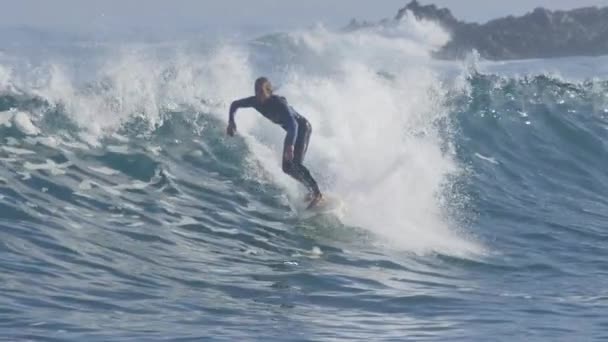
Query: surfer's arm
{"points": [[242, 103]]}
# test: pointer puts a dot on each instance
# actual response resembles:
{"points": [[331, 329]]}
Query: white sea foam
{"points": [[372, 96], [375, 141]]}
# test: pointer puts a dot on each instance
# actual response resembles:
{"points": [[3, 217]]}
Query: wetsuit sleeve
{"points": [[242, 103], [291, 124]]}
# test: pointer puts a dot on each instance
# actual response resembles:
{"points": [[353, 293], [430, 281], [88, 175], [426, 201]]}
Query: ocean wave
{"points": [[123, 200]]}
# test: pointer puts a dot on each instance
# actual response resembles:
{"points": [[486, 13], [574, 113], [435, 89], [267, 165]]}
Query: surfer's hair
{"points": [[263, 82]]}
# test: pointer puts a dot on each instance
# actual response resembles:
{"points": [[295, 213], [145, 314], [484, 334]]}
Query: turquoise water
{"points": [[475, 195]]}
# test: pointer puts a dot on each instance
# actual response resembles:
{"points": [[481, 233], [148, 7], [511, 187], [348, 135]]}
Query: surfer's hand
{"points": [[288, 153], [231, 129]]}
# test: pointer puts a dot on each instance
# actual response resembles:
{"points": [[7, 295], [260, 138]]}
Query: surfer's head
{"points": [[263, 89]]}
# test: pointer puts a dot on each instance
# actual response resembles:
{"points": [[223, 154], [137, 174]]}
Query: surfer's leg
{"points": [[304, 131], [300, 148], [300, 173], [294, 167], [313, 187], [311, 183], [297, 170]]}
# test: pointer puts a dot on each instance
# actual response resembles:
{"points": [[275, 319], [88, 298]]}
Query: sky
{"points": [[91, 15]]}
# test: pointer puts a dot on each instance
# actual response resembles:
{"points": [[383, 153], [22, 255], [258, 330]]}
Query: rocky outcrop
{"points": [[539, 34]]}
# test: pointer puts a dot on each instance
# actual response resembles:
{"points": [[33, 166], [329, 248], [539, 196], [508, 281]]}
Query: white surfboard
{"points": [[330, 204]]}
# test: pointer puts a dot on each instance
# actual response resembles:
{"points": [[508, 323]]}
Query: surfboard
{"points": [[331, 204]]}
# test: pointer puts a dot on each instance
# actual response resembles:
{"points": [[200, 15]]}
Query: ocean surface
{"points": [[475, 193]]}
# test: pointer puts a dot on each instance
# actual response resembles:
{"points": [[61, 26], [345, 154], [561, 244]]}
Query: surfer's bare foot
{"points": [[317, 198]]}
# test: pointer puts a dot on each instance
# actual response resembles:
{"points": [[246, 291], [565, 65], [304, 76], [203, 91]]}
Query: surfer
{"points": [[276, 109]]}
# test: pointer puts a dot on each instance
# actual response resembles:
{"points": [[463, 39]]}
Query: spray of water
{"points": [[372, 97], [374, 111]]}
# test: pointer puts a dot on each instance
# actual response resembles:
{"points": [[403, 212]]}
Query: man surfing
{"points": [[276, 109]]}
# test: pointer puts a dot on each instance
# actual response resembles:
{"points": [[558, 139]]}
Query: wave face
{"points": [[473, 203]]}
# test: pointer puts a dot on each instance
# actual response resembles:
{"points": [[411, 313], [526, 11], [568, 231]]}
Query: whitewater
{"points": [[474, 192]]}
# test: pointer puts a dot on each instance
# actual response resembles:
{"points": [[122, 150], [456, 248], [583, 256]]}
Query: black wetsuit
{"points": [[298, 130]]}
